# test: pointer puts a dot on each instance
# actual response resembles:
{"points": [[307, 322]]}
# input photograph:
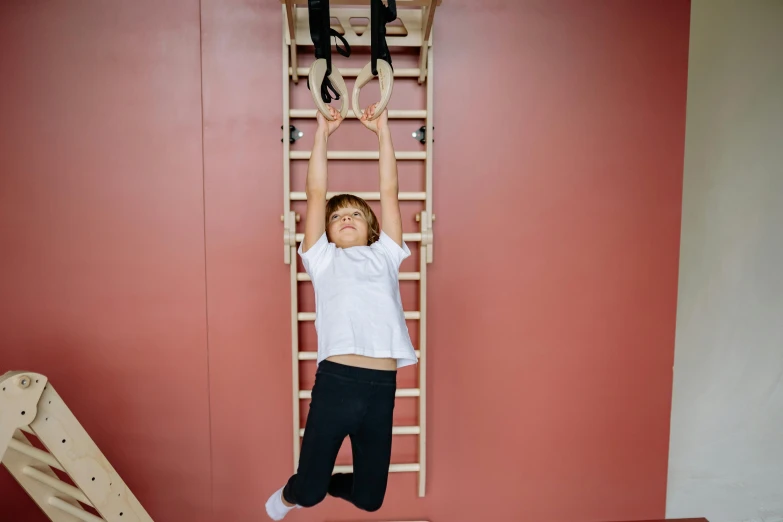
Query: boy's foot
{"points": [[340, 482], [276, 507]]}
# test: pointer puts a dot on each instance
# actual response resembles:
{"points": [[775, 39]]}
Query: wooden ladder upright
{"points": [[415, 30], [30, 407]]}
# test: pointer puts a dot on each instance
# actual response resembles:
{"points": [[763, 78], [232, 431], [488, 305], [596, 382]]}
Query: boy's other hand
{"points": [[326, 126], [379, 124]]}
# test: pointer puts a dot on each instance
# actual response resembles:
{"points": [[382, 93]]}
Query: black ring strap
{"points": [[321, 33], [380, 15]]}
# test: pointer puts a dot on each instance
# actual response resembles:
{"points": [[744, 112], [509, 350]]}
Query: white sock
{"points": [[275, 507]]}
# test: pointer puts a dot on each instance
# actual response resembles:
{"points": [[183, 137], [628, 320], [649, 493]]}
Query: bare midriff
{"points": [[361, 361]]}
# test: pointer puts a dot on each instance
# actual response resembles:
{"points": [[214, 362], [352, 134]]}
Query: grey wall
{"points": [[726, 456]]}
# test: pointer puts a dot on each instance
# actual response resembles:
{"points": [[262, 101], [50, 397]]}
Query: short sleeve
{"points": [[395, 252], [317, 256]]}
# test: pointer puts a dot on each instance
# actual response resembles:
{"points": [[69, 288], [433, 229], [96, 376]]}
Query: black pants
{"points": [[354, 402]]}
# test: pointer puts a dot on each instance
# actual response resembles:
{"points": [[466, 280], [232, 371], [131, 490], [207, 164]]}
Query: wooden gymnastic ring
{"points": [[386, 80], [316, 78]]}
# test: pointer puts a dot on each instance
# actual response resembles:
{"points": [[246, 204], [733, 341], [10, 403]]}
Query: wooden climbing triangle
{"points": [[54, 460]]}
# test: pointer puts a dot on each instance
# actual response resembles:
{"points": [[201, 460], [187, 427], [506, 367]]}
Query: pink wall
{"points": [[140, 197], [101, 206]]}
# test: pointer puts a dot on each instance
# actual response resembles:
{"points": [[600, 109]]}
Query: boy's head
{"points": [[350, 222]]}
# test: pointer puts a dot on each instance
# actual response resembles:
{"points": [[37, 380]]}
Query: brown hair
{"points": [[347, 200]]}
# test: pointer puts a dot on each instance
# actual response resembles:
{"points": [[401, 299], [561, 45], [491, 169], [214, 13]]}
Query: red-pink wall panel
{"points": [[248, 285], [101, 226], [559, 149]]}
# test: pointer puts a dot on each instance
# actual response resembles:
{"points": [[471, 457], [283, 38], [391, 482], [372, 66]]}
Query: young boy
{"points": [[362, 335]]}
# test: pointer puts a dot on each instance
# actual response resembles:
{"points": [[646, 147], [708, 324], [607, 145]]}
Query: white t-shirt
{"points": [[358, 309]]}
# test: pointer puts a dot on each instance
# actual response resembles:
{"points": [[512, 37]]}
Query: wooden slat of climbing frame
{"points": [[408, 237], [312, 356], [393, 114], [79, 513], [393, 468], [368, 196], [396, 430], [351, 72], [295, 352], [57, 484], [310, 316], [391, 30], [290, 250], [358, 155], [289, 37], [366, 3], [428, 16], [33, 452], [401, 392], [290, 17], [425, 257], [404, 276], [285, 133]]}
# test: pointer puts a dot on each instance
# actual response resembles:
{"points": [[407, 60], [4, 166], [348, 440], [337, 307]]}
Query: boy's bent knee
{"points": [[310, 499], [370, 504], [306, 498]]}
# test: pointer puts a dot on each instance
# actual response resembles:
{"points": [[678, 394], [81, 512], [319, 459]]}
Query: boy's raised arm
{"points": [[315, 221], [390, 205], [391, 220]]}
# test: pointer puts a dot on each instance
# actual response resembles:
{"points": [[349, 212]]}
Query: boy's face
{"points": [[348, 227]]}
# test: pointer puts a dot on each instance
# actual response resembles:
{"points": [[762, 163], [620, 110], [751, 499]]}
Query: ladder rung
{"points": [[411, 237], [313, 356], [369, 196], [310, 316], [56, 484], [349, 72], [401, 392], [392, 30], [355, 3], [73, 510], [394, 114], [358, 155], [396, 430], [33, 452], [403, 276], [393, 468]]}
